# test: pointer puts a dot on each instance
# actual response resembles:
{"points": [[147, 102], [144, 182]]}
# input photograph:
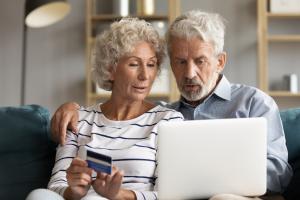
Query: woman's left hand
{"points": [[107, 185]]}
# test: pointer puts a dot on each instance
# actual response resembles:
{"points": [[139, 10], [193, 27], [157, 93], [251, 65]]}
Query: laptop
{"points": [[201, 158]]}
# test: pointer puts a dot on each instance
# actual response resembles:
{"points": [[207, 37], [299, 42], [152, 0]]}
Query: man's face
{"points": [[195, 67]]}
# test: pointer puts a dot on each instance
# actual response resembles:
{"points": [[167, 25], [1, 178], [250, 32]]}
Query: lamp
{"points": [[40, 13]]}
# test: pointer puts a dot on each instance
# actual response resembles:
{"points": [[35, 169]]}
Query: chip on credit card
{"points": [[99, 162]]}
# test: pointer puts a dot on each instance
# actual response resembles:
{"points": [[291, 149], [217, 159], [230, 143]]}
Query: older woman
{"points": [[127, 59]]}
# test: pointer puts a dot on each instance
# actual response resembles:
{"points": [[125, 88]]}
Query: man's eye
{"points": [[181, 62], [201, 62]]}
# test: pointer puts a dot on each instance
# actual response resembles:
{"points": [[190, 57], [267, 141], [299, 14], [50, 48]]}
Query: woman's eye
{"points": [[151, 65], [133, 64]]}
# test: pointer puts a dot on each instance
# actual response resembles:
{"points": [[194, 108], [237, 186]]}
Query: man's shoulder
{"points": [[252, 96], [246, 90]]}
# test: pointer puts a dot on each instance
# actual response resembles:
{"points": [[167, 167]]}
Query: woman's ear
{"points": [[221, 61]]}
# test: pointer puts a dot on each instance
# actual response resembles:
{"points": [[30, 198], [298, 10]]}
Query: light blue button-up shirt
{"points": [[240, 101]]}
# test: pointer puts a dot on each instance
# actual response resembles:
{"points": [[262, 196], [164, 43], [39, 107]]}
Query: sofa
{"points": [[291, 124], [27, 152]]}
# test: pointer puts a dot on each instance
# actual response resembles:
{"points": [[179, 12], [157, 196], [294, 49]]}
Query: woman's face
{"points": [[135, 73]]}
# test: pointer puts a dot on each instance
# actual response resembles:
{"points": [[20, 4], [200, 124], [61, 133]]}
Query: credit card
{"points": [[99, 162]]}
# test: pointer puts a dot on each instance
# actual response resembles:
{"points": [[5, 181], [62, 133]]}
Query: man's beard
{"points": [[202, 91]]}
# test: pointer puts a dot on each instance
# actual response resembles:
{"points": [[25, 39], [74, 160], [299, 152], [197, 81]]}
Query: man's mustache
{"points": [[193, 81]]}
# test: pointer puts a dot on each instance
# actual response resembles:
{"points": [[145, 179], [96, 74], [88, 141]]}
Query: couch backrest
{"points": [[26, 151], [291, 124]]}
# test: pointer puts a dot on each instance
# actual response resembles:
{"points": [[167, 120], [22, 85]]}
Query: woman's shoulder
{"points": [[87, 111], [164, 112]]}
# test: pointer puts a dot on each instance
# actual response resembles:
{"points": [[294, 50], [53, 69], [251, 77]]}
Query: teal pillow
{"points": [[291, 124], [26, 151]]}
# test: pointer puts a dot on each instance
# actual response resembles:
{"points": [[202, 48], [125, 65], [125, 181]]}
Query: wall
{"points": [[10, 52], [56, 54], [55, 58]]}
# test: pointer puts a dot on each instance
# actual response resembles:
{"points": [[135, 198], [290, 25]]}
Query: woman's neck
{"points": [[118, 110]]}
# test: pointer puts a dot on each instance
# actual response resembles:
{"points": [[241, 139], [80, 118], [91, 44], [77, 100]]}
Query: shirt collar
{"points": [[223, 89]]}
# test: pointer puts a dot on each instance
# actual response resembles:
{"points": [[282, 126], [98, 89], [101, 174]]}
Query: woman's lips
{"points": [[140, 88]]}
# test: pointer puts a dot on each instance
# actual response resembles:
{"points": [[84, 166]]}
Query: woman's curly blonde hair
{"points": [[119, 40]]}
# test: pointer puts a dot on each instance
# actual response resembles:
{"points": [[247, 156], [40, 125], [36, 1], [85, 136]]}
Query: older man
{"points": [[195, 46]]}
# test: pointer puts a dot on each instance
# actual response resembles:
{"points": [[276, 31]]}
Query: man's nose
{"points": [[190, 70]]}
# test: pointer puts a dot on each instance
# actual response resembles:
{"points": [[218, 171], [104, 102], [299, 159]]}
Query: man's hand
{"points": [[66, 116], [108, 185], [79, 178]]}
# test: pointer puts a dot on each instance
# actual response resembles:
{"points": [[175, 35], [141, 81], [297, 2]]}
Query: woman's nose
{"points": [[143, 73]]}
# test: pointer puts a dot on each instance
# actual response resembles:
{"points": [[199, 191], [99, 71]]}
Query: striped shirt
{"points": [[132, 144]]}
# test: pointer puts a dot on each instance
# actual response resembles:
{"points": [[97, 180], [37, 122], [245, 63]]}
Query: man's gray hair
{"points": [[120, 40], [208, 27]]}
